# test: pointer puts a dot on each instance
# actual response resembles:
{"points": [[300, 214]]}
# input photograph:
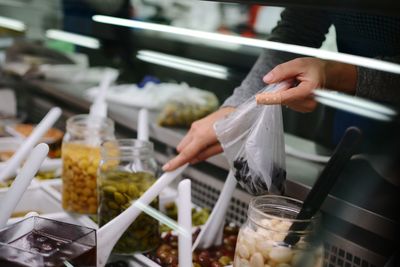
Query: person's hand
{"points": [[200, 142], [307, 74]]}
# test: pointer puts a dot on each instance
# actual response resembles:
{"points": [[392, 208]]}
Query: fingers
{"points": [[184, 142], [208, 152], [186, 155], [302, 91], [284, 71]]}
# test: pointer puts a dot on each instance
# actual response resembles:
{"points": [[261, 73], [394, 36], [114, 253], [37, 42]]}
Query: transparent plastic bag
{"points": [[253, 142]]}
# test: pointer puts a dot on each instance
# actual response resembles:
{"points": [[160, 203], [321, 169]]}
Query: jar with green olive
{"points": [[81, 157], [127, 170]]}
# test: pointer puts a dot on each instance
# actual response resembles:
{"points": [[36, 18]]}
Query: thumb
{"points": [[284, 71]]}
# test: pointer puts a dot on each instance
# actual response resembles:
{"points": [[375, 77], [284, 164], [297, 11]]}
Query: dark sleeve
{"points": [[108, 7], [297, 26], [379, 85]]}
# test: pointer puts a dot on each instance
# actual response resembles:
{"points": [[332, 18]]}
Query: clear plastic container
{"points": [[38, 242], [81, 158], [127, 169], [261, 238]]}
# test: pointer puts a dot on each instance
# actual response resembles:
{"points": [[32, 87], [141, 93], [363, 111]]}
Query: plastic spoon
{"points": [[99, 106], [212, 232], [143, 125], [185, 222], [109, 234], [342, 154], [22, 181], [15, 161]]}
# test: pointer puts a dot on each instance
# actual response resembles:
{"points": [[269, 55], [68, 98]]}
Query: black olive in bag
{"points": [[253, 142]]}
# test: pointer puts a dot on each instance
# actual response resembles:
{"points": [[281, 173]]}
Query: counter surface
{"points": [[301, 173]]}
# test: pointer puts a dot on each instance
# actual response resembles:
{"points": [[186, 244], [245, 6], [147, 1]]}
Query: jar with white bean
{"points": [[261, 238]]}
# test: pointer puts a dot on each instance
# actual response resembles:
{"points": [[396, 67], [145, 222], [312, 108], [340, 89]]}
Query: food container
{"points": [[81, 157], [53, 137], [42, 242], [127, 170], [261, 238]]}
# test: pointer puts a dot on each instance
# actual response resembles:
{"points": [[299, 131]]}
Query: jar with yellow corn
{"points": [[261, 239], [81, 158], [127, 169]]}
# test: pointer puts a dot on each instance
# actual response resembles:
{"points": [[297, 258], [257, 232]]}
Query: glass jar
{"points": [[261, 238], [127, 169], [81, 158]]}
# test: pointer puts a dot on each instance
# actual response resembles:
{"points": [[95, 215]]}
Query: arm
{"points": [[311, 73], [379, 85], [106, 6], [297, 26]]}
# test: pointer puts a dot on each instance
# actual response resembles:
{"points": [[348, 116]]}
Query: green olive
{"points": [[113, 205], [119, 198], [109, 189], [118, 189], [225, 260], [133, 191]]}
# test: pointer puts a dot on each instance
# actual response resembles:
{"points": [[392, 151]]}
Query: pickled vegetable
{"points": [[79, 174], [166, 254], [183, 112], [117, 190], [199, 216]]}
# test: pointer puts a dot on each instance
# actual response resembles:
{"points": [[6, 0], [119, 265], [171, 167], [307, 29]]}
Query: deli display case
{"points": [[359, 217]]}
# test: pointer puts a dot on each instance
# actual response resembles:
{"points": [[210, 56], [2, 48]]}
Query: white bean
{"points": [[257, 260], [266, 223], [274, 221], [243, 251], [265, 247], [287, 224], [283, 226], [278, 236], [264, 233], [281, 254], [244, 263], [250, 243], [249, 233]]}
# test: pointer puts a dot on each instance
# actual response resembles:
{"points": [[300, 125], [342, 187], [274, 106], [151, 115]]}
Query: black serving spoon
{"points": [[342, 154]]}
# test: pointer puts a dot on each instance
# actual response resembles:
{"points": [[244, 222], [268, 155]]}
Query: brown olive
{"points": [[215, 264], [204, 259]]}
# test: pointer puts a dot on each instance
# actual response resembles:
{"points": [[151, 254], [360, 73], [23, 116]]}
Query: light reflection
{"points": [[190, 65], [162, 218], [73, 38], [355, 105], [308, 51], [12, 24]]}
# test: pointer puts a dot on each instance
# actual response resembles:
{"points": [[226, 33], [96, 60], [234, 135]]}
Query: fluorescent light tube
{"points": [[189, 65], [12, 24], [73, 38], [308, 51], [355, 105]]}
